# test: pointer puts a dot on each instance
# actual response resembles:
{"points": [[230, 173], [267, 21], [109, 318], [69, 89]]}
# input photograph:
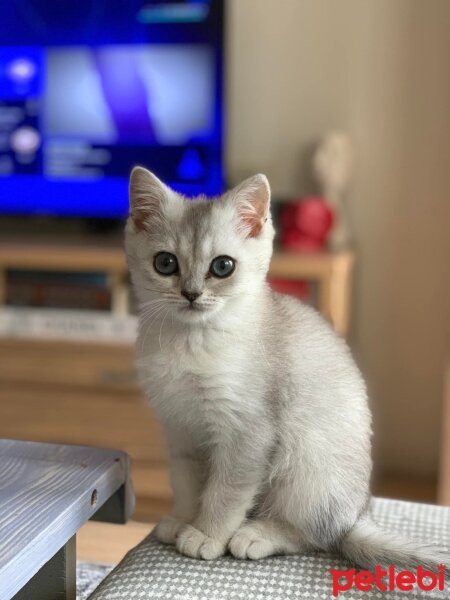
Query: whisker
{"points": [[161, 328], [149, 322]]}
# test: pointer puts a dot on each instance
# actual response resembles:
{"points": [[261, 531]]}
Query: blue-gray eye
{"points": [[165, 263], [222, 266]]}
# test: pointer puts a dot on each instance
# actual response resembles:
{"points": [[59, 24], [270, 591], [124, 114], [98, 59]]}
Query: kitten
{"points": [[263, 407]]}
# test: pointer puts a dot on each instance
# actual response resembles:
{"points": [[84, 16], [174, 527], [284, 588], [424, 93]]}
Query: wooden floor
{"points": [[107, 543]]}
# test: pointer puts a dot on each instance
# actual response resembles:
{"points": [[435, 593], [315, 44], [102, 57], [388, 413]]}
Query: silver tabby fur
{"points": [[264, 410]]}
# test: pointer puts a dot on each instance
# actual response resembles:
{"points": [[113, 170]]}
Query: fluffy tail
{"points": [[367, 546]]}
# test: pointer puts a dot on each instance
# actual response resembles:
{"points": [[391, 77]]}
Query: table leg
{"points": [[56, 580]]}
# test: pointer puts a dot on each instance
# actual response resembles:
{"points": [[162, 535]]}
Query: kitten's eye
{"points": [[165, 263], [222, 266]]}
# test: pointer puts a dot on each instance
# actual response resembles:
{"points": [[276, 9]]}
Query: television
{"points": [[90, 88]]}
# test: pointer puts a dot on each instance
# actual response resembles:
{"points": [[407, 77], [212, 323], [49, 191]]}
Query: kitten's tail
{"points": [[367, 545]]}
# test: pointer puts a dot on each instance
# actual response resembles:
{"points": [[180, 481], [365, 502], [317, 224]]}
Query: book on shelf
{"points": [[67, 325], [84, 291]]}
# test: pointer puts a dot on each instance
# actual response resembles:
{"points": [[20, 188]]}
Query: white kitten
{"points": [[264, 410]]}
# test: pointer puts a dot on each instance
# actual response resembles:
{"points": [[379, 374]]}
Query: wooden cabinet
{"points": [[84, 394], [332, 272], [444, 474]]}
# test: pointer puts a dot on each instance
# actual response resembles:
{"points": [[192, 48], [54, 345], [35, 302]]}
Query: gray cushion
{"points": [[152, 570]]}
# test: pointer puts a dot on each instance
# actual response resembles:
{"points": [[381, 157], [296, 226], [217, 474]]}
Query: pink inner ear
{"points": [[254, 219], [253, 196]]}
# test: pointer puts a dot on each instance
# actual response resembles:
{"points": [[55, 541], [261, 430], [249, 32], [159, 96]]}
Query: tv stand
{"points": [[330, 271]]}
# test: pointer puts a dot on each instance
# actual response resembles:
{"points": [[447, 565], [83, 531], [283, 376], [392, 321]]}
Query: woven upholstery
{"points": [[152, 570]]}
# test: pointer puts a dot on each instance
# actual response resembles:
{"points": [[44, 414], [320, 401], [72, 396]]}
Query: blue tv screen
{"points": [[90, 88]]}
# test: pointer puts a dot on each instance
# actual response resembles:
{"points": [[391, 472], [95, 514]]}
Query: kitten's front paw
{"points": [[168, 529], [246, 543], [192, 542]]}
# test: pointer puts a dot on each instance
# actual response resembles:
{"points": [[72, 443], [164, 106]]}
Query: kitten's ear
{"points": [[147, 193], [252, 198]]}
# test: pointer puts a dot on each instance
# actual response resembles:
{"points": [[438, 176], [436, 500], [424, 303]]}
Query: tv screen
{"points": [[90, 88]]}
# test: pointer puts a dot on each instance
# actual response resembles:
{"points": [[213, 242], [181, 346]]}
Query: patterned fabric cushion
{"points": [[152, 570]]}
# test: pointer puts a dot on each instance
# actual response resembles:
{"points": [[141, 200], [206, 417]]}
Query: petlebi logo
{"points": [[389, 579]]}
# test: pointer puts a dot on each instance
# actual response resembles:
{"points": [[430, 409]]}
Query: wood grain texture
{"points": [[75, 393], [47, 492], [56, 580], [78, 415]]}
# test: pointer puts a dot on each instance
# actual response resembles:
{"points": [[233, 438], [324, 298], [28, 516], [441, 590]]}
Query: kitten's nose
{"points": [[191, 296]]}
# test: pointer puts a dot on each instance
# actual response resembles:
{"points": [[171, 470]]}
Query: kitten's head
{"points": [[197, 257]]}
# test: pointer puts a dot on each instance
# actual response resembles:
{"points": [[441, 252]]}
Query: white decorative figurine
{"points": [[332, 165]]}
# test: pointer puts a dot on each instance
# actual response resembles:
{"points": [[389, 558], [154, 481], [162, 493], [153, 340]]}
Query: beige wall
{"points": [[381, 70]]}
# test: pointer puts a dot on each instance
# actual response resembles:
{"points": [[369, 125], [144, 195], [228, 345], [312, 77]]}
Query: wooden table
{"points": [[47, 492]]}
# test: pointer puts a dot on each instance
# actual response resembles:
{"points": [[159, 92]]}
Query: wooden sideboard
{"points": [[331, 272], [444, 471], [86, 393], [79, 393]]}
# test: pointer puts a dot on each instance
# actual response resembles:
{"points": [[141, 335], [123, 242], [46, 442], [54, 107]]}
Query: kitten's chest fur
{"points": [[199, 379]]}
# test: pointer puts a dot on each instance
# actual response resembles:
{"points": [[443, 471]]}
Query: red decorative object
{"points": [[305, 224]]}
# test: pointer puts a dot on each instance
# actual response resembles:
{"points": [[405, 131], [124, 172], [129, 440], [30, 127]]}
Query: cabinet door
{"points": [[80, 394]]}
